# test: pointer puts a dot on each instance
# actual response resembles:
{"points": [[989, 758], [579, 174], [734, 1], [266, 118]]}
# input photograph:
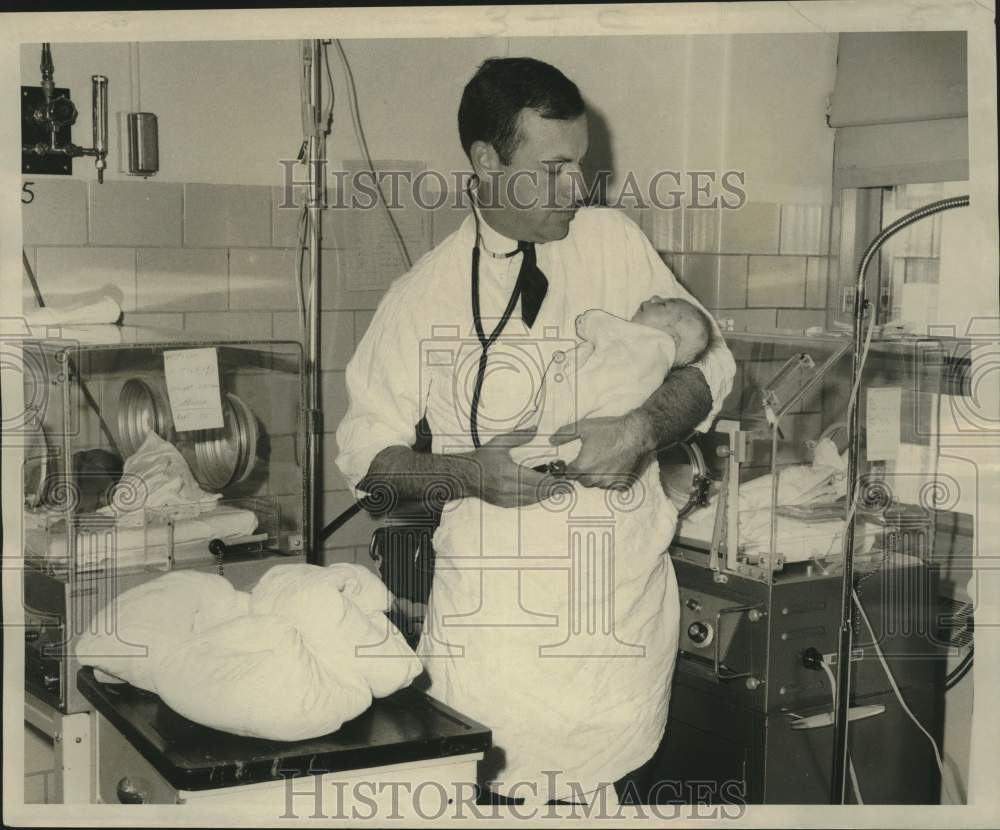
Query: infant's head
{"points": [[683, 321]]}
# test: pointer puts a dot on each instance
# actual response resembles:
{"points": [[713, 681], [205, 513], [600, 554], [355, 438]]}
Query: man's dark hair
{"points": [[500, 89]]}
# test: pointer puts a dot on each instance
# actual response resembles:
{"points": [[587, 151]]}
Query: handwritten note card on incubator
{"points": [[192, 377], [883, 422]]}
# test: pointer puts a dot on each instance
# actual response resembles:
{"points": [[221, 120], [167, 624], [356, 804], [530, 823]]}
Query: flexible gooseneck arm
{"points": [[839, 769]]}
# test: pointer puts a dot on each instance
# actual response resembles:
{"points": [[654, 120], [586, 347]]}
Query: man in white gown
{"points": [[565, 652]]}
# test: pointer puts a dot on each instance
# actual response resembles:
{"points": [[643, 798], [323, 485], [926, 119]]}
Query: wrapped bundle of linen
{"points": [[306, 650]]}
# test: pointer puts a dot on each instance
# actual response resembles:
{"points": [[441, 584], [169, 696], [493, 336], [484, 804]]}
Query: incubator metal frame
{"points": [[752, 432], [746, 709], [247, 363], [72, 562]]}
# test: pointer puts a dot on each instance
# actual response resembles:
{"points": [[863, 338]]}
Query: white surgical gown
{"points": [[566, 654]]}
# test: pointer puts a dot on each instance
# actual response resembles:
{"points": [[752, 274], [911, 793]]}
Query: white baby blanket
{"points": [[615, 369], [307, 649], [157, 476], [824, 480]]}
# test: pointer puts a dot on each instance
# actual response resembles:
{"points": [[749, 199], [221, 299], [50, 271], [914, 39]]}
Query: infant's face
{"points": [[656, 314]]}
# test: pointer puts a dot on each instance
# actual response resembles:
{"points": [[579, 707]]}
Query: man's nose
{"points": [[569, 186]]}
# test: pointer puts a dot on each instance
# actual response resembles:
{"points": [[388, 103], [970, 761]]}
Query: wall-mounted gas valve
{"points": [[47, 116]]}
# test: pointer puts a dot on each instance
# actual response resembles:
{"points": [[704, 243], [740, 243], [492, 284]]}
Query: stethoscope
{"points": [[555, 467], [484, 340]]}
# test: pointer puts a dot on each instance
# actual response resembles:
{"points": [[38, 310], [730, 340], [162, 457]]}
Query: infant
{"points": [[687, 326], [617, 367]]}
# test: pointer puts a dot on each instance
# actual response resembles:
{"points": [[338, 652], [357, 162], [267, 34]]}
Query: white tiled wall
{"points": [[182, 279], [68, 275], [227, 216], [135, 214], [761, 266], [777, 281], [753, 229]]}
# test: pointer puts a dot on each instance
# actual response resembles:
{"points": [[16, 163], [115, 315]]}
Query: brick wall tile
{"points": [[140, 214], [182, 279], [57, 215], [776, 281], [227, 216], [67, 276], [751, 229]]}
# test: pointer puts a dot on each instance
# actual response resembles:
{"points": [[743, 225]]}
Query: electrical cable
{"points": [[854, 780], [363, 141], [300, 251], [31, 278], [341, 520], [883, 236], [958, 678], [850, 762], [899, 694], [851, 403], [956, 674], [308, 127], [333, 96], [307, 123]]}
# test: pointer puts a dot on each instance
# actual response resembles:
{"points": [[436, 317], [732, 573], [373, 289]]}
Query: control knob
{"points": [[699, 633], [133, 790]]}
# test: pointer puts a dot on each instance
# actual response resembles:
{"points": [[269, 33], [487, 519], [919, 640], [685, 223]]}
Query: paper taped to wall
{"points": [[883, 422], [192, 377]]}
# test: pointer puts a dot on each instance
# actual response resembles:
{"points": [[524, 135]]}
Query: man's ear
{"points": [[484, 159]]}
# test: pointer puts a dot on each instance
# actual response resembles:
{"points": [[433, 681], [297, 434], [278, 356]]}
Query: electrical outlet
{"points": [[847, 299], [857, 653]]}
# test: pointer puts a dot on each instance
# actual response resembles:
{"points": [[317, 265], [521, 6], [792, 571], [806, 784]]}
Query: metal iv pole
{"points": [[838, 779], [315, 153]]}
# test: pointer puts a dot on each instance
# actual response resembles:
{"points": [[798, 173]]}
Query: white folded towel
{"points": [[104, 310]]}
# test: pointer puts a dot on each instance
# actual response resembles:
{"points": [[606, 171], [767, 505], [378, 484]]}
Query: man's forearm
{"points": [[677, 407], [402, 474]]}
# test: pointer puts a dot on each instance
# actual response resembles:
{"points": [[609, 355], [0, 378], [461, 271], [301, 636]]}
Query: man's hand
{"points": [[614, 452], [497, 479]]}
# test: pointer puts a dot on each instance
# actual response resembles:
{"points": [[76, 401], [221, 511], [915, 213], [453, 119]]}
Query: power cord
{"points": [[850, 761], [962, 669], [309, 128], [899, 696], [363, 141], [895, 688], [812, 659], [300, 251]]}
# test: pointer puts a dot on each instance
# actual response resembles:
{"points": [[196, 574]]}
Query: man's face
{"points": [[541, 185]]}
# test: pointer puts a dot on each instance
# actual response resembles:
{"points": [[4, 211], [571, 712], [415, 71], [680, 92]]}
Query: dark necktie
{"points": [[531, 284]]}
